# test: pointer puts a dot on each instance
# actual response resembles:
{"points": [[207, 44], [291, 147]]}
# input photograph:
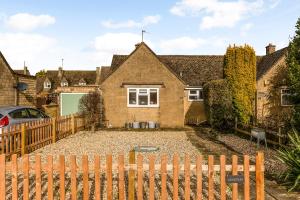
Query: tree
{"points": [[293, 63], [240, 72], [218, 104], [90, 105], [41, 73]]}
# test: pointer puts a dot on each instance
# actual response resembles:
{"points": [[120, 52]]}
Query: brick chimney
{"points": [[271, 48], [26, 71], [98, 74], [60, 72]]}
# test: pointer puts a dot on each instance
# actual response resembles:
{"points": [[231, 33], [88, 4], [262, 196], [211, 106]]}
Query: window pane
{"points": [[19, 114], [142, 91], [193, 91], [153, 97], [200, 94], [132, 97], [194, 97], [143, 99], [35, 113]]}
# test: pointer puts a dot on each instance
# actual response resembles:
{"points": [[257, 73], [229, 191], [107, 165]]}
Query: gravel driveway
{"points": [[120, 142]]}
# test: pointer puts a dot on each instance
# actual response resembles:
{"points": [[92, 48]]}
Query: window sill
{"points": [[196, 100], [142, 106]]}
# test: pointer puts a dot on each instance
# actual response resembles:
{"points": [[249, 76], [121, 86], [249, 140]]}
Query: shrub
{"points": [[240, 72], [218, 104], [291, 157], [90, 105]]}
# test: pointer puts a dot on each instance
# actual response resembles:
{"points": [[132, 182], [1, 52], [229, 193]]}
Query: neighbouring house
{"points": [[166, 89], [273, 103], [59, 91], [11, 83]]}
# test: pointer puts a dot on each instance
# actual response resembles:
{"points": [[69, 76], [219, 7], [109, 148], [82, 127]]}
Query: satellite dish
{"points": [[22, 86]]}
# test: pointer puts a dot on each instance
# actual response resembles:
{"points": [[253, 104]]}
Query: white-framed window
{"points": [[286, 99], [47, 85], [142, 97], [195, 94], [64, 84], [82, 83]]}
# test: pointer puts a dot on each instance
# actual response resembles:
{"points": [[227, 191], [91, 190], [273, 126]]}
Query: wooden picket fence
{"points": [[27, 137], [101, 179]]}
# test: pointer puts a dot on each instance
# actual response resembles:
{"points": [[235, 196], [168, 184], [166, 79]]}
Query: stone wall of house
{"points": [[27, 97], [7, 83], [264, 86], [193, 110], [143, 67]]}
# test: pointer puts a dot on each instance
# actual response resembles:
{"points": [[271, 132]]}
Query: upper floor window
{"points": [[82, 83], [64, 84], [195, 94], [286, 97], [47, 84], [142, 97]]}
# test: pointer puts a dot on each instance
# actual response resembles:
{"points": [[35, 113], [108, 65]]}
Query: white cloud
{"points": [[28, 22], [152, 19], [188, 45], [217, 13]]}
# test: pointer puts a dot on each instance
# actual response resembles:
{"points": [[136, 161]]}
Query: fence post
{"points": [[73, 123], [23, 139], [260, 182], [131, 181], [53, 130]]}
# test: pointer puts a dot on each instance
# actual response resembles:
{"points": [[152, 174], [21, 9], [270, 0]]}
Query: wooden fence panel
{"points": [[67, 185]]}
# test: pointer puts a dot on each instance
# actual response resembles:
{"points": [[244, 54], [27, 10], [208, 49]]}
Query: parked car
{"points": [[19, 114]]}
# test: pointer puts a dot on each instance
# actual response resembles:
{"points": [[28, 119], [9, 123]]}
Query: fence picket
{"points": [[26, 177], [14, 169], [73, 177], [175, 176], [246, 178], [50, 176], [151, 176], [97, 177], [163, 177], [199, 177], [2, 176], [223, 176], [234, 172], [121, 178], [187, 181], [38, 178], [260, 184]]}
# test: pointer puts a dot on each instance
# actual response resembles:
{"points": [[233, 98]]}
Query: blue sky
{"points": [[87, 33]]}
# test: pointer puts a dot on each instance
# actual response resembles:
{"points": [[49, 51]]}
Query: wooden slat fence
{"points": [[79, 178], [27, 137]]}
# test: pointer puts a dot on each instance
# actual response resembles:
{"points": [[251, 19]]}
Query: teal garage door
{"points": [[69, 103]]}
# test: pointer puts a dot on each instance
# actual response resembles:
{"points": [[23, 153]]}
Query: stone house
{"points": [[273, 97], [10, 79], [59, 91], [166, 89]]}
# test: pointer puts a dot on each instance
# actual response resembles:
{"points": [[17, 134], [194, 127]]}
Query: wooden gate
{"points": [[54, 177]]}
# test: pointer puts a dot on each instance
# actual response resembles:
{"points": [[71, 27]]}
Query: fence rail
{"points": [[58, 179], [27, 137]]}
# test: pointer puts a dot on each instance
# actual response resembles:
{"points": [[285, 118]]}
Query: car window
{"points": [[1, 116], [19, 114], [35, 113]]}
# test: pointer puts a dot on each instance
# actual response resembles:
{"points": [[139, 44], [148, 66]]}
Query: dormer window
{"points": [[64, 84], [47, 85], [82, 82]]}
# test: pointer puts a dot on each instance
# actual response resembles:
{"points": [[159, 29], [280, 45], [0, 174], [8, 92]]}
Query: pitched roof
{"points": [[73, 78], [105, 71], [194, 70], [265, 63]]}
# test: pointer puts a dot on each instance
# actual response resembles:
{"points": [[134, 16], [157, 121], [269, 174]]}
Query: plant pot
{"points": [[135, 125], [151, 124]]}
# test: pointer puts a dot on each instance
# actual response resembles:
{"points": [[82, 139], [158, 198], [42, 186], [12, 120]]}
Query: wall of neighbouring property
{"points": [[269, 94], [27, 97], [7, 83], [143, 67], [193, 110]]}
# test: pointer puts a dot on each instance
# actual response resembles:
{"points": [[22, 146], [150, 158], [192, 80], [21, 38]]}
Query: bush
{"points": [[90, 106], [291, 157], [218, 104]]}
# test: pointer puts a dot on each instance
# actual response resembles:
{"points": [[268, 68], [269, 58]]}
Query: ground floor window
{"points": [[142, 97], [286, 97], [195, 94]]}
